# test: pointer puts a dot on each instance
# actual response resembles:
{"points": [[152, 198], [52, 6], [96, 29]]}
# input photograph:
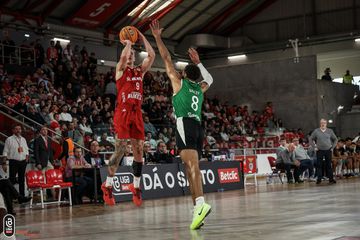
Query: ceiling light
{"points": [[237, 57], [357, 40], [182, 63], [62, 40], [27, 35]]}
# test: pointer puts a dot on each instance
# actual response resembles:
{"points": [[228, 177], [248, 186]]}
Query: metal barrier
{"points": [[17, 55], [22, 119]]}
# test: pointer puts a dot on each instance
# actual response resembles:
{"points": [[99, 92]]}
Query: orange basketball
{"points": [[128, 33]]}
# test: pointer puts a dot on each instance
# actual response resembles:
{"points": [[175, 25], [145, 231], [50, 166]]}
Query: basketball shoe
{"points": [[200, 213], [136, 195], [108, 196]]}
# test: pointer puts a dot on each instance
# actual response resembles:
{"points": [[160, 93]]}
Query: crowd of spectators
{"points": [[66, 92]]}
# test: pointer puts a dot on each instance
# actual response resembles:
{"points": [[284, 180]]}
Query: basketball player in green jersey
{"points": [[187, 102]]}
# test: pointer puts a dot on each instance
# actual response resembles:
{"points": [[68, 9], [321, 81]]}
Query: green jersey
{"points": [[188, 101]]}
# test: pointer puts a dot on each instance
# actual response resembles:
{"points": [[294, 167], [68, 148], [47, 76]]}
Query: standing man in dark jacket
{"points": [[44, 155], [324, 140], [43, 152]]}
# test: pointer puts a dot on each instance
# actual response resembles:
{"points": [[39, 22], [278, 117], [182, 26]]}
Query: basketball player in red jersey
{"points": [[128, 120]]}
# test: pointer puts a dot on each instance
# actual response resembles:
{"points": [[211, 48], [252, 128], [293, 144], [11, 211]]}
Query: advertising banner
{"points": [[169, 180]]}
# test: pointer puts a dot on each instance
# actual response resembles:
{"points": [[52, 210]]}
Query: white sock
{"points": [[137, 182], [199, 201], [356, 170], [109, 181]]}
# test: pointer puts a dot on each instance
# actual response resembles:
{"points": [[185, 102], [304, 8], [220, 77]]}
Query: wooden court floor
{"points": [[276, 211]]}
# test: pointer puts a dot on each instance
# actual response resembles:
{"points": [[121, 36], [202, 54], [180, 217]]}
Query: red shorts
{"points": [[128, 123]]}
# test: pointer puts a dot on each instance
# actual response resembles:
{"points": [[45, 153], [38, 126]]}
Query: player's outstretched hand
{"points": [[155, 28], [194, 56]]}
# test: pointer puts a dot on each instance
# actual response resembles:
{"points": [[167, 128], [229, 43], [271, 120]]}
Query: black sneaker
{"points": [[318, 181], [332, 181]]}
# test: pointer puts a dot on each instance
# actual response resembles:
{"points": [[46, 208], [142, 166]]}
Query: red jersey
{"points": [[130, 88]]}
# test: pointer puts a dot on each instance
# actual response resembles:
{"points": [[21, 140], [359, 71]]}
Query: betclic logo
{"points": [[228, 175]]}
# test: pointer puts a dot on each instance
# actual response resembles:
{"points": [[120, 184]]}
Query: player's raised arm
{"points": [[208, 79], [125, 54], [149, 60], [165, 55]]}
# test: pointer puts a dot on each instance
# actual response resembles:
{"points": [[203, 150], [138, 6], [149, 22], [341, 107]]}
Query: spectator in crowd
{"points": [[21, 106], [68, 56], [339, 158], [326, 75], [77, 161], [207, 154], [149, 127], [348, 78], [39, 53], [17, 152], [64, 115], [350, 158], [162, 155], [74, 133], [303, 157], [54, 124], [35, 116], [85, 126], [148, 156], [43, 152], [286, 161], [67, 148], [149, 138], [44, 114], [104, 144], [323, 140], [95, 160], [52, 53], [357, 138], [59, 52], [93, 157]]}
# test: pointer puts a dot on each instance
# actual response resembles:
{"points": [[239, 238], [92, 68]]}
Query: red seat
{"points": [[35, 179], [55, 177], [36, 182], [275, 171]]}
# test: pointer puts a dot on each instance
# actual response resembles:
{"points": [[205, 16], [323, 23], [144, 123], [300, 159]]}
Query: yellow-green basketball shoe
{"points": [[200, 213]]}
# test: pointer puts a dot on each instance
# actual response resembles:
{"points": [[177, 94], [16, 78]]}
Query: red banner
{"points": [[94, 13], [249, 163]]}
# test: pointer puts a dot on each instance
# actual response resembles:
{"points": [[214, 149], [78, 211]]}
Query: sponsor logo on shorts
{"points": [[9, 225], [228, 175]]}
